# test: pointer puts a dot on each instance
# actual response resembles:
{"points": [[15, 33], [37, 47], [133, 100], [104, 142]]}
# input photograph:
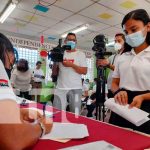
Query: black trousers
{"points": [[25, 95], [110, 94], [119, 121]]}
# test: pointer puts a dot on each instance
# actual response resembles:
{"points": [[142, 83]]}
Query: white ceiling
{"points": [[66, 15]]}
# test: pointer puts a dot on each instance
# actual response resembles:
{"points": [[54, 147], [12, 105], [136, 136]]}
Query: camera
{"points": [[57, 53], [100, 46]]}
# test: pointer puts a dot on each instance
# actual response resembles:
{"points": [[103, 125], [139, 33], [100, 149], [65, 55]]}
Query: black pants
{"points": [[110, 94], [25, 95], [119, 121]]}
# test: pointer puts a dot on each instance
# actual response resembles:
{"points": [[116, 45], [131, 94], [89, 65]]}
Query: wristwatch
{"points": [[42, 129]]}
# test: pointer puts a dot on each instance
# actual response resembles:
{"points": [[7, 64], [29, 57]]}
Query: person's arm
{"points": [[138, 100], [15, 134], [78, 69], [120, 95], [110, 66], [115, 84]]}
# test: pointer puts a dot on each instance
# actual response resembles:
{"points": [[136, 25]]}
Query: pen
{"points": [[44, 107]]}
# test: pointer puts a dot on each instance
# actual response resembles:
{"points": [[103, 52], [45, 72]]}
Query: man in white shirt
{"points": [[38, 78], [17, 130], [69, 85]]}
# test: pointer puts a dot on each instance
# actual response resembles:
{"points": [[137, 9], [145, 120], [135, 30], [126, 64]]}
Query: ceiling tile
{"points": [[111, 31], [3, 4], [74, 5], [117, 5], [56, 13], [79, 20], [62, 27]]}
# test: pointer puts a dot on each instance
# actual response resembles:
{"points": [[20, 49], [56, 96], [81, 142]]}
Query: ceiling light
{"points": [[81, 28], [8, 11], [110, 44]]}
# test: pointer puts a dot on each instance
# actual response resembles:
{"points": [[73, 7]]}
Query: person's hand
{"points": [[28, 115], [102, 62], [137, 102], [48, 124], [121, 98], [67, 63]]}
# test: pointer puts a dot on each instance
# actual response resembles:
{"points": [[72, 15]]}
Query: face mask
{"points": [[135, 39], [72, 44], [117, 46]]}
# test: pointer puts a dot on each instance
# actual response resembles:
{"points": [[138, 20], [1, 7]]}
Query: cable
{"points": [[40, 2]]}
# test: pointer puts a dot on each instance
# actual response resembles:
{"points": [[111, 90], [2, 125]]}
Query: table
{"points": [[125, 139]]}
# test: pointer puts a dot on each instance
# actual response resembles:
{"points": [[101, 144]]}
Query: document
{"points": [[67, 131], [98, 145], [133, 115]]}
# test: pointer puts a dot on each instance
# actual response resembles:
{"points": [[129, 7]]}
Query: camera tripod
{"points": [[100, 93]]}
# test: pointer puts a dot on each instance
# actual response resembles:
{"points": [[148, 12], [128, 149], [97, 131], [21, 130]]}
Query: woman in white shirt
{"points": [[16, 126], [131, 81], [21, 79]]}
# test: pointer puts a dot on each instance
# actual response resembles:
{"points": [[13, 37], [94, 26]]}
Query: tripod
{"points": [[100, 93]]}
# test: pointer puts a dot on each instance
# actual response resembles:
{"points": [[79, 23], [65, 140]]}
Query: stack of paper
{"points": [[67, 131], [99, 145], [133, 115]]}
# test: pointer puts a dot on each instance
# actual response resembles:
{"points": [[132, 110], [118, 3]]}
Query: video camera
{"points": [[57, 53], [100, 46]]}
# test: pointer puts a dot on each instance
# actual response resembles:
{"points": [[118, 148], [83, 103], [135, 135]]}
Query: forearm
{"points": [[146, 96], [80, 70], [114, 87], [25, 135], [112, 67]]}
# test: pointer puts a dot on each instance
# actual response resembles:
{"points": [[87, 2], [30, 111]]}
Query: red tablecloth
{"points": [[127, 140]]}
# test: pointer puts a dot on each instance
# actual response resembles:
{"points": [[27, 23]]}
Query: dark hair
{"points": [[138, 14], [122, 35], [38, 62], [71, 34], [5, 46], [22, 65]]}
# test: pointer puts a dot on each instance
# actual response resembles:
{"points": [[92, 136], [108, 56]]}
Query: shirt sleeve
{"points": [[116, 73], [83, 62], [6, 91]]}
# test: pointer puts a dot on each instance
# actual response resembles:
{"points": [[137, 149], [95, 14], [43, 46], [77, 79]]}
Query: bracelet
{"points": [[116, 92], [42, 129]]}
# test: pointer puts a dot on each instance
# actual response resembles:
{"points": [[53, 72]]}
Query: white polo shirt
{"points": [[6, 91], [68, 78], [134, 70], [38, 73]]}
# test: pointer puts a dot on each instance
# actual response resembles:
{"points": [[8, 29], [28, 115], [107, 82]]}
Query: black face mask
{"points": [[8, 72]]}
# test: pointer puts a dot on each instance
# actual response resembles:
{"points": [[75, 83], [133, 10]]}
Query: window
{"points": [[29, 54]]}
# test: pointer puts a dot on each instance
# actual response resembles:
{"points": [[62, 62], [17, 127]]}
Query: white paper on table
{"points": [[67, 131], [133, 115], [47, 113], [98, 145]]}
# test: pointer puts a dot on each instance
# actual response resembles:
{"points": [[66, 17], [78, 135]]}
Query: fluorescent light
{"points": [[7, 12], [110, 44], [81, 28]]}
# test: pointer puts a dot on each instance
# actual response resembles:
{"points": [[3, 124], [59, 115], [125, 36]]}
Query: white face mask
{"points": [[117, 46], [135, 39]]}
